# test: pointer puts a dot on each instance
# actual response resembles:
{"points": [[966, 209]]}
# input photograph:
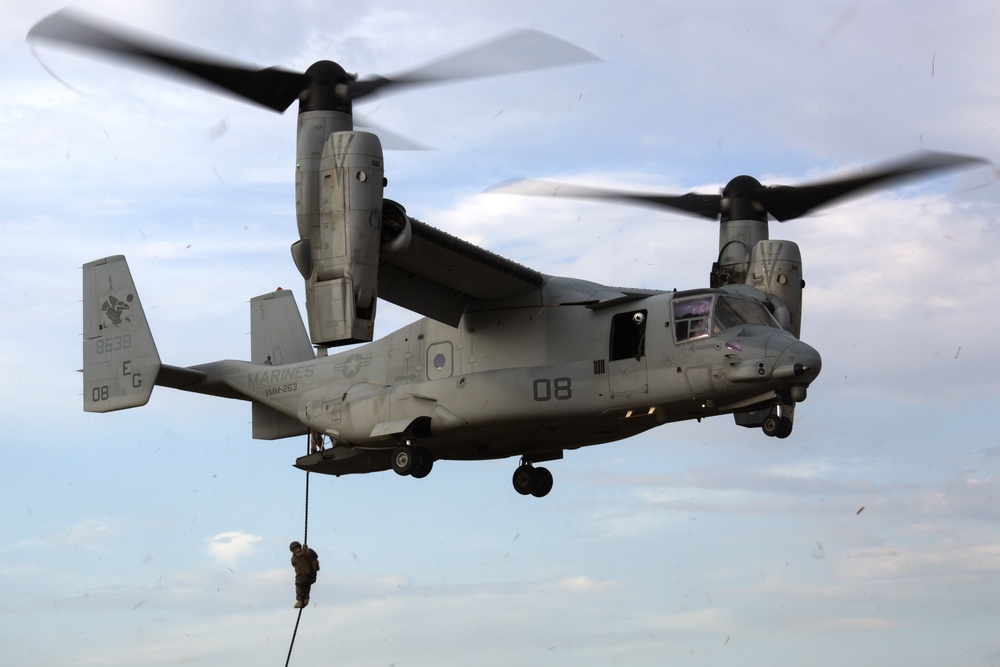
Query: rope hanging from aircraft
{"points": [[294, 632], [305, 530], [305, 541]]}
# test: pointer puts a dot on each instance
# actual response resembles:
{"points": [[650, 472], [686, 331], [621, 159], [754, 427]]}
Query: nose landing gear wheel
{"points": [[775, 426]]}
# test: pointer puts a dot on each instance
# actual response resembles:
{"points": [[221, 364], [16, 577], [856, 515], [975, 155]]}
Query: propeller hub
{"points": [[328, 88], [741, 200]]}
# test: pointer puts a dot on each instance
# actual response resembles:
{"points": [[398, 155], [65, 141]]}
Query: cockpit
{"points": [[705, 315]]}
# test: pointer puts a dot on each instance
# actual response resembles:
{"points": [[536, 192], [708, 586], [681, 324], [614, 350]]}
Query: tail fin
{"points": [[277, 336], [120, 363]]}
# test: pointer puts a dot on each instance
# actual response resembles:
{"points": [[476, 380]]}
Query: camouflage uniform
{"points": [[306, 564]]}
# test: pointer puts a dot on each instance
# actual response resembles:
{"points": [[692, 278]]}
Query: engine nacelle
{"points": [[776, 269], [338, 254]]}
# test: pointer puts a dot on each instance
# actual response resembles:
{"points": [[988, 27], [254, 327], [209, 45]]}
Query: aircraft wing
{"points": [[438, 275]]}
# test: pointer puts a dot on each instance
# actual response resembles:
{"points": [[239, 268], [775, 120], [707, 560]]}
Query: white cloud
{"points": [[939, 561], [229, 547]]}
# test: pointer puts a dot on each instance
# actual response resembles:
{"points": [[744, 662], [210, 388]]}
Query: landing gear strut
{"points": [[529, 480]]}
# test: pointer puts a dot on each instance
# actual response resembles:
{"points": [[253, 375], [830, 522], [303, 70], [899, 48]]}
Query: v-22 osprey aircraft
{"points": [[507, 361]]}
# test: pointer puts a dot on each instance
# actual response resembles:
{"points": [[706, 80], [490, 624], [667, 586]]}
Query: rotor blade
{"points": [[789, 202], [271, 87], [706, 206], [518, 51]]}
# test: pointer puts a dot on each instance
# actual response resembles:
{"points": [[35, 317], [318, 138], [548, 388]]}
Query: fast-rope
{"points": [[305, 541]]}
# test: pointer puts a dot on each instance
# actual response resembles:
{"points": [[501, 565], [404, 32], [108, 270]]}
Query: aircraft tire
{"points": [[423, 464], [771, 425], [543, 482], [524, 479], [775, 426], [404, 460]]}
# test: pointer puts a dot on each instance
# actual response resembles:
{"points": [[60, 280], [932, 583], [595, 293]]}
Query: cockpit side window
{"points": [[692, 318], [628, 335]]}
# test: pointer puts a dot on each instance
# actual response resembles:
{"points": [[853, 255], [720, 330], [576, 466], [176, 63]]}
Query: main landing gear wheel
{"points": [[543, 482], [403, 460], [776, 426], [412, 461], [424, 464], [529, 480]]}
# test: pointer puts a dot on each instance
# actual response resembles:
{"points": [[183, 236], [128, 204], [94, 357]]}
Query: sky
{"points": [[159, 535]]}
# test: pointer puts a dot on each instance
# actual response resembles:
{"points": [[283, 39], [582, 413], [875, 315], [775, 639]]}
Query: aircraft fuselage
{"points": [[529, 378]]}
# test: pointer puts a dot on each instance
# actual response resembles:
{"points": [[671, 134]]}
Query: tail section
{"points": [[120, 362]]}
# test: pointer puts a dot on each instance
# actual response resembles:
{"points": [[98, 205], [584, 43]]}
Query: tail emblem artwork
{"points": [[506, 361], [115, 309]]}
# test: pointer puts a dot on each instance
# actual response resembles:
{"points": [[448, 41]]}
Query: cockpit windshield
{"points": [[707, 315], [734, 312]]}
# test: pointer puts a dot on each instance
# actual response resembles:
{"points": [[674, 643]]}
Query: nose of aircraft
{"points": [[798, 362]]}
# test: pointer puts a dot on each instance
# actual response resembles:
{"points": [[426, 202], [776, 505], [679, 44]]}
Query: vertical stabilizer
{"points": [[277, 337], [277, 334], [120, 362]]}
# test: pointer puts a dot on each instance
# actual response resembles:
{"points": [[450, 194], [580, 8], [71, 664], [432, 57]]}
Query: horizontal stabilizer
{"points": [[178, 377]]}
